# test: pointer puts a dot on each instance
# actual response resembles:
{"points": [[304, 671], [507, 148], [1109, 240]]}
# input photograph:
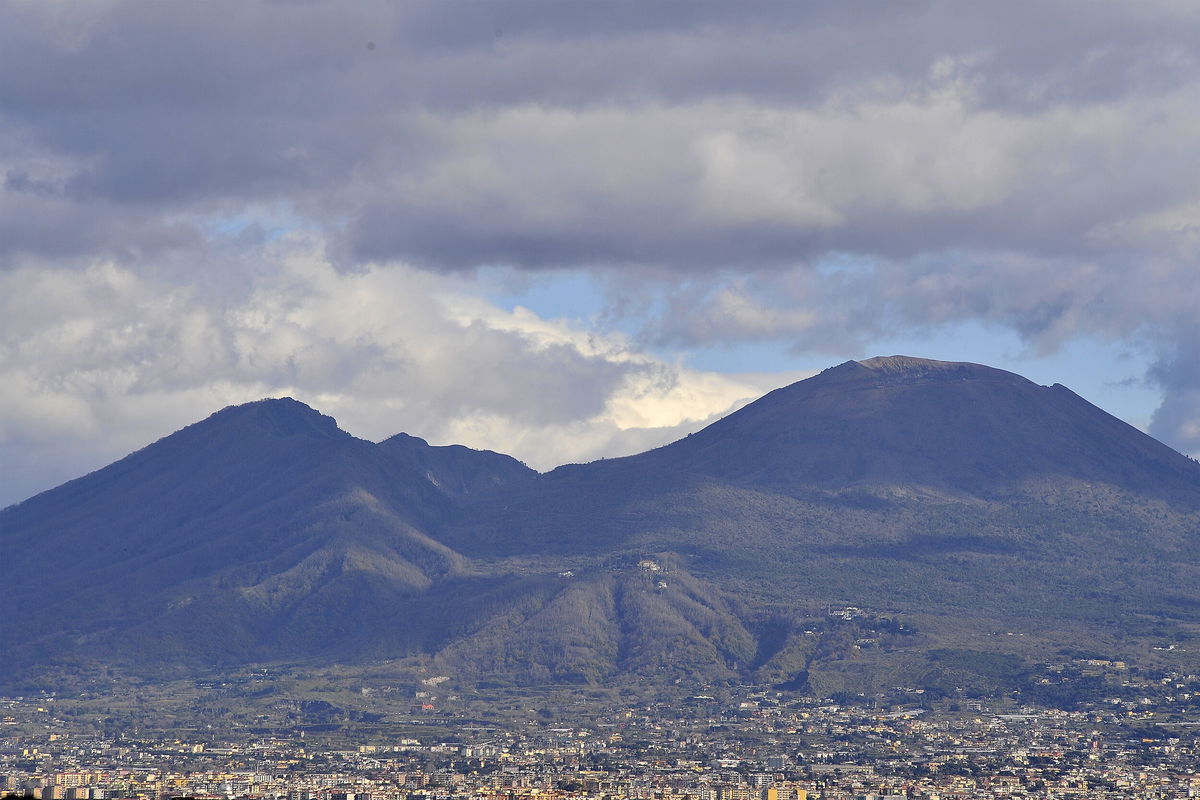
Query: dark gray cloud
{"points": [[1177, 420], [417, 146]]}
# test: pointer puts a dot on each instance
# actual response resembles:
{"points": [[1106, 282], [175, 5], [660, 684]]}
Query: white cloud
{"points": [[115, 359]]}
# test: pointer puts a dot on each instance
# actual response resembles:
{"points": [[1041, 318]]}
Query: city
{"points": [[734, 744]]}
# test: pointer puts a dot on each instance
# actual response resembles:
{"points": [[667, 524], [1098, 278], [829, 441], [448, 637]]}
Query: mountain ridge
{"points": [[902, 409], [955, 494]]}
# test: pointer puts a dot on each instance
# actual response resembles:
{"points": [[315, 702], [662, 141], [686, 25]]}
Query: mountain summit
{"points": [[913, 422], [961, 498]]}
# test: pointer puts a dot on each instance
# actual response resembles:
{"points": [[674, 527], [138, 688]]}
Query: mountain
{"points": [[903, 421], [240, 537], [876, 437], [455, 470], [837, 534]]}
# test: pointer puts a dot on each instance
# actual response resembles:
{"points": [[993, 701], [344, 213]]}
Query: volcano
{"points": [[964, 501]]}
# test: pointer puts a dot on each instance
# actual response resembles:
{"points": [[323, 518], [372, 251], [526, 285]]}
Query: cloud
{"points": [[542, 135], [115, 359], [815, 173], [1177, 420]]}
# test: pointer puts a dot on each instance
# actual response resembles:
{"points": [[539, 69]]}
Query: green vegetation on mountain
{"points": [[891, 522]]}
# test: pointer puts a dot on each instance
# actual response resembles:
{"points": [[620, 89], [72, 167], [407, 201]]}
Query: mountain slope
{"points": [[455, 470], [963, 498], [901, 421], [252, 534], [961, 495], [861, 435]]}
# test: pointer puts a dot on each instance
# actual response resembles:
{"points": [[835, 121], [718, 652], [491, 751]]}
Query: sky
{"points": [[568, 231]]}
